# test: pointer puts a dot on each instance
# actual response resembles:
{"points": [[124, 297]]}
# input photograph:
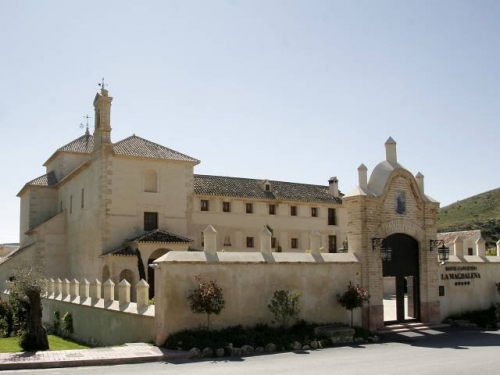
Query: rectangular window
{"points": [[70, 204], [295, 243], [150, 220], [332, 216], [202, 239], [293, 210], [272, 209], [273, 242], [226, 206], [83, 198], [204, 205], [314, 211], [470, 251], [249, 241], [332, 244], [249, 208]]}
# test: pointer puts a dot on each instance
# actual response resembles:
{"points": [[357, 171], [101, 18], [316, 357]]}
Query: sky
{"points": [[295, 91]]}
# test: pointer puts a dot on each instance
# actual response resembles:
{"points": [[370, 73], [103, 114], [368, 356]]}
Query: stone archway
{"points": [[401, 277], [151, 271]]}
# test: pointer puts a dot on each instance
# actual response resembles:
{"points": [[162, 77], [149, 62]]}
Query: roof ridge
{"points": [[260, 180]]}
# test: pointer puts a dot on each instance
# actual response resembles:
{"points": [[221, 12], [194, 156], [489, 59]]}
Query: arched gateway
{"points": [[392, 212]]}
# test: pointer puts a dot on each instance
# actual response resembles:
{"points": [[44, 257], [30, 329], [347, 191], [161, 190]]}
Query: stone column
{"points": [[123, 291], [58, 287], [498, 248], [85, 289], [265, 240], [95, 289], [65, 287], [142, 290], [210, 240], [109, 290], [315, 242], [75, 288]]}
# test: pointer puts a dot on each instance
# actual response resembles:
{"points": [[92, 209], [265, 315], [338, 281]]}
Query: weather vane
{"points": [[102, 84], [86, 117]]}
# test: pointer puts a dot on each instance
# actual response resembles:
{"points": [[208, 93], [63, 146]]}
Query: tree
{"points": [[140, 265], [29, 284], [285, 307], [353, 298], [207, 298]]}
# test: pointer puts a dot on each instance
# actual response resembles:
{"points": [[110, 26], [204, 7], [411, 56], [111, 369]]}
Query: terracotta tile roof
{"points": [[131, 146], [449, 237], [155, 236], [48, 179], [237, 187], [137, 146], [83, 145]]}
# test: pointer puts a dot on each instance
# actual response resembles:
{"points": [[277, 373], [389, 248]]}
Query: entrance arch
{"points": [[401, 279]]}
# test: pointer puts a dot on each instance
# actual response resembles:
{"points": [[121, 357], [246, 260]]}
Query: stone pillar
{"points": [[498, 248], [420, 182], [58, 287], [390, 151], [458, 247], [95, 289], [65, 287], [363, 177], [85, 289], [142, 290], [50, 287], [75, 288], [109, 290], [315, 242], [481, 247], [265, 240], [210, 240], [124, 291]]}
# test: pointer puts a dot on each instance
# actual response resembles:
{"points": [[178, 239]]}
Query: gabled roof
{"points": [[137, 146], [48, 179], [131, 146], [237, 187], [154, 236]]}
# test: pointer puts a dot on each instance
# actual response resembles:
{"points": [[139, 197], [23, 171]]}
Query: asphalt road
{"points": [[429, 352]]}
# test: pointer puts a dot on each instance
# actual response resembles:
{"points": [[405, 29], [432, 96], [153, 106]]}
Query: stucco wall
{"points": [[248, 281], [464, 290], [238, 224], [104, 322]]}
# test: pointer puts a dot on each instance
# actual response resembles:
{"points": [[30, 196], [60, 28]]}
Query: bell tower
{"points": [[102, 116]]}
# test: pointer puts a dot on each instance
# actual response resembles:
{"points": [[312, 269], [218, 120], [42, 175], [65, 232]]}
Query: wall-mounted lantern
{"points": [[385, 252], [443, 251]]}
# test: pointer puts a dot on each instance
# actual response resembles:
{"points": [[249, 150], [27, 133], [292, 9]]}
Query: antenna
{"points": [[86, 117]]}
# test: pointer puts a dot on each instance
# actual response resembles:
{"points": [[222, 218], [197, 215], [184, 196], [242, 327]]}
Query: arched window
{"points": [[151, 271], [151, 182]]}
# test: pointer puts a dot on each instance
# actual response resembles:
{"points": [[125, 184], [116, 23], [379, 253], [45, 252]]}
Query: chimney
{"points": [[363, 177], [333, 187], [390, 151]]}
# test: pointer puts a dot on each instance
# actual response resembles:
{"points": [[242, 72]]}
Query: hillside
{"points": [[481, 211]]}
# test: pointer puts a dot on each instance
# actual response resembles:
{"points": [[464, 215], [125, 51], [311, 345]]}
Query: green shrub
{"points": [[285, 307], [68, 323], [56, 325], [207, 298], [483, 318]]}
